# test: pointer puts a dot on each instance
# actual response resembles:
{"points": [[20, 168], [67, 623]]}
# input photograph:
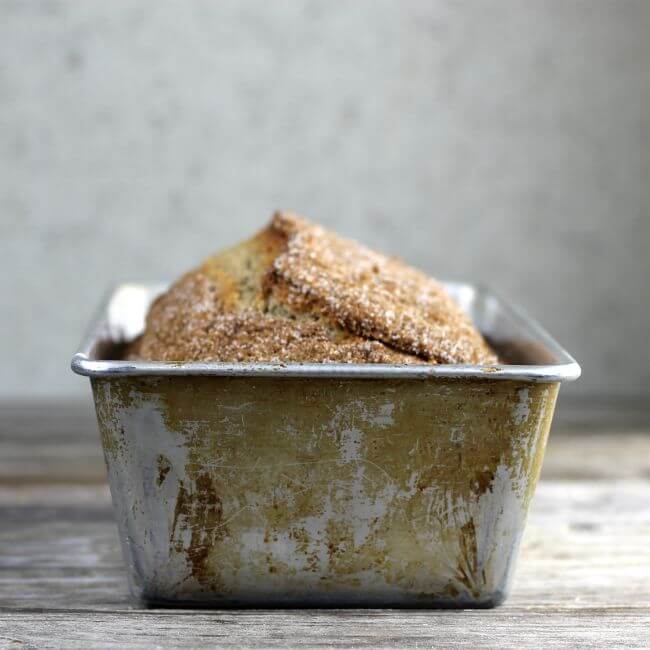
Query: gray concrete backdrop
{"points": [[505, 142]]}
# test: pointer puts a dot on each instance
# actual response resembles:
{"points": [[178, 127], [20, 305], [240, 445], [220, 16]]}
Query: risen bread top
{"points": [[298, 293]]}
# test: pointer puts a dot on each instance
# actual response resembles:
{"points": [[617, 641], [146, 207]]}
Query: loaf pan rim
{"points": [[566, 368]]}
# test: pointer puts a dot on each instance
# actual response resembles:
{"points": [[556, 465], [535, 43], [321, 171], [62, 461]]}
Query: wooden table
{"points": [[583, 578]]}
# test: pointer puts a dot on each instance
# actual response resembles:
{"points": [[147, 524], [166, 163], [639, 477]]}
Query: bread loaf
{"points": [[298, 293]]}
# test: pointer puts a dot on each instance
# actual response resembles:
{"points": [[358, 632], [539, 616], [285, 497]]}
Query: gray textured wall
{"points": [[500, 141]]}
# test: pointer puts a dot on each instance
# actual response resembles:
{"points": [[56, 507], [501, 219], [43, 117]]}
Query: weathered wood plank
{"points": [[329, 629], [601, 456], [50, 444]]}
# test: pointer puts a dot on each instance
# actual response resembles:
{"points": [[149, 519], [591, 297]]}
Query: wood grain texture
{"points": [[583, 577], [328, 629]]}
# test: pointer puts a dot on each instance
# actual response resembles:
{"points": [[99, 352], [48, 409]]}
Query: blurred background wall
{"points": [[503, 142]]}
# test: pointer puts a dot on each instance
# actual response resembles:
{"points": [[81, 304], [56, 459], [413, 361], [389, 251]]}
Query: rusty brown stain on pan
{"points": [[462, 432], [201, 511], [482, 482], [467, 570], [164, 466]]}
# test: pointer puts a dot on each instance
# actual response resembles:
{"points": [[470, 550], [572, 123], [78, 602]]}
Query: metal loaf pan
{"points": [[323, 485]]}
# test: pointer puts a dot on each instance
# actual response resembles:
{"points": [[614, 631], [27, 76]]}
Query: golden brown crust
{"points": [[298, 293]]}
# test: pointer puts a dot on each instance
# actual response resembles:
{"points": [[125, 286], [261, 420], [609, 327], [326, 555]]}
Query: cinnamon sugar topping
{"points": [[298, 293]]}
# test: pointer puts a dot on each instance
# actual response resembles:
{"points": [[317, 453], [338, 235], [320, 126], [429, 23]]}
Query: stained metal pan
{"points": [[323, 484]]}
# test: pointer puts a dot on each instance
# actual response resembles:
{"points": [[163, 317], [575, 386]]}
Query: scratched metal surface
{"points": [[336, 484], [322, 492]]}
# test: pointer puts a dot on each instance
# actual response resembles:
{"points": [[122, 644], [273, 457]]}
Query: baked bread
{"points": [[298, 293]]}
